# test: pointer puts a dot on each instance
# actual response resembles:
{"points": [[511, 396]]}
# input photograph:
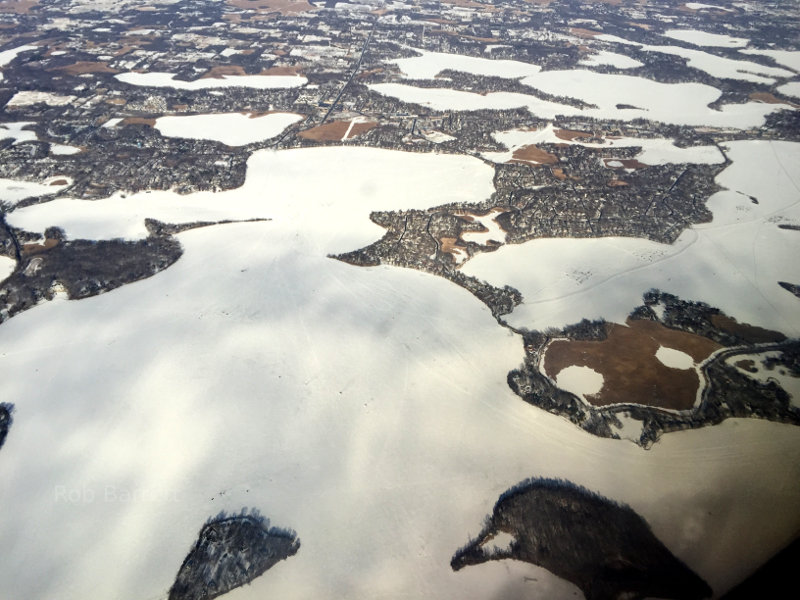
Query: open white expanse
{"points": [[733, 263], [238, 378], [318, 186], [790, 89], [676, 103], [13, 190], [259, 82], [674, 359], [703, 38], [714, 65], [429, 64], [233, 129], [579, 380], [787, 58]]}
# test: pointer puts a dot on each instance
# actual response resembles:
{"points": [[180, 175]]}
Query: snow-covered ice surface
{"points": [[429, 64], [237, 378], [676, 103], [7, 266], [12, 190], [790, 89], [704, 38], [580, 380], [733, 263], [787, 58], [317, 186], [702, 6], [233, 129], [673, 358], [260, 82]]}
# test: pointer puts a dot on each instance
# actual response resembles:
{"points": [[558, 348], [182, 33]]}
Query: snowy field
{"points": [[238, 378]]}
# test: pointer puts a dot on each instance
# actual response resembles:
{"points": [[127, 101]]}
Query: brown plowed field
{"points": [[627, 361], [533, 155], [334, 131]]}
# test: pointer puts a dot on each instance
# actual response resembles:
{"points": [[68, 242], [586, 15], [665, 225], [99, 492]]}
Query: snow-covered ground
{"points": [[733, 263], [233, 129], [260, 82], [365, 408], [29, 98]]}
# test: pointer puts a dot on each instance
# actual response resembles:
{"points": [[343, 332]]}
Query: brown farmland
{"points": [[86, 66], [569, 135], [533, 155], [627, 361], [335, 131], [284, 7]]}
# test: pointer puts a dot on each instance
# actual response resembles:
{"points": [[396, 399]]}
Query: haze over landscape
{"points": [[409, 299]]}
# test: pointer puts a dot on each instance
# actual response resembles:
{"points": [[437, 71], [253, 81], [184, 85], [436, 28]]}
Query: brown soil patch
{"points": [[28, 249], [59, 182], [84, 66], [138, 121], [617, 183], [533, 155], [751, 333], [769, 98], [569, 135], [335, 131], [627, 361], [17, 7], [627, 163], [558, 173], [285, 70], [747, 365], [284, 7], [221, 71], [586, 34], [450, 245]]}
